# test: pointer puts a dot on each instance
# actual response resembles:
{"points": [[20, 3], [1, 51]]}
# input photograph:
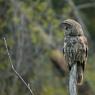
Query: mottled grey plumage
{"points": [[75, 47]]}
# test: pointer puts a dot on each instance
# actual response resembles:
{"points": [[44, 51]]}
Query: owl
{"points": [[75, 47]]}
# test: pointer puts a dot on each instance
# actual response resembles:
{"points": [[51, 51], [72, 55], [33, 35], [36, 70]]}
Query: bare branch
{"points": [[87, 5], [27, 85]]}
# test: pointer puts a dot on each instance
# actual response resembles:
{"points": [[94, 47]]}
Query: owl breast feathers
{"points": [[75, 50]]}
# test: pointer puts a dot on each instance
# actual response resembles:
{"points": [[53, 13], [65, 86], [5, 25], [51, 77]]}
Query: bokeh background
{"points": [[35, 43]]}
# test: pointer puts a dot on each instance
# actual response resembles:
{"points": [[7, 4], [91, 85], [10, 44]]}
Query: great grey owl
{"points": [[75, 47]]}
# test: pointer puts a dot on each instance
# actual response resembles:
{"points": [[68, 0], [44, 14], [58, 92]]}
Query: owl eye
{"points": [[67, 28]]}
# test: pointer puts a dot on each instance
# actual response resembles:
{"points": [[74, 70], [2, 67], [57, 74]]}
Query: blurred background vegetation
{"points": [[35, 42]]}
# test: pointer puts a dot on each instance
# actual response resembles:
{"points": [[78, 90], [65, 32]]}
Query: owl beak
{"points": [[61, 25]]}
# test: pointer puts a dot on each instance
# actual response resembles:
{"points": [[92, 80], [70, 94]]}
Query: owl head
{"points": [[72, 28]]}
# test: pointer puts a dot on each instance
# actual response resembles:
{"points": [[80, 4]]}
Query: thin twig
{"points": [[87, 5], [10, 60]]}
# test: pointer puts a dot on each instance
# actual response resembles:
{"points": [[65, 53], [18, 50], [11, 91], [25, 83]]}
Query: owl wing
{"points": [[83, 41]]}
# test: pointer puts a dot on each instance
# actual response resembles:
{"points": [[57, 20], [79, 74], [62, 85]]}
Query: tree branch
{"points": [[87, 5], [27, 85]]}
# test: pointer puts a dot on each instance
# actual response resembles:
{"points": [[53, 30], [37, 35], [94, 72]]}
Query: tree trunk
{"points": [[72, 80]]}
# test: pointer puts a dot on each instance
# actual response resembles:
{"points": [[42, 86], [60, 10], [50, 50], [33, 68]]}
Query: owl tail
{"points": [[79, 75]]}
